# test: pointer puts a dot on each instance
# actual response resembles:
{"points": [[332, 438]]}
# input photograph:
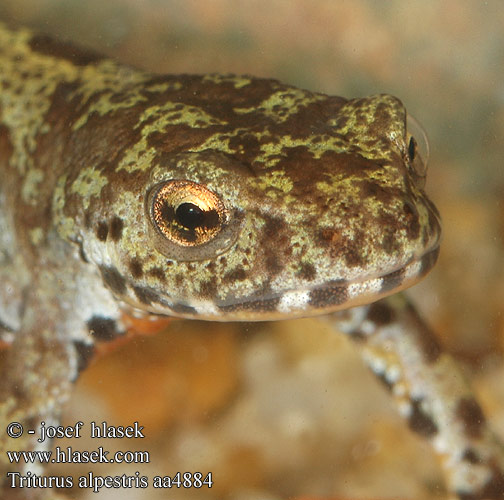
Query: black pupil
{"points": [[412, 148], [189, 215]]}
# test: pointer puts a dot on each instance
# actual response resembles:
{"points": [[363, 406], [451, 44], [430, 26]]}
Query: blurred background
{"points": [[287, 410]]}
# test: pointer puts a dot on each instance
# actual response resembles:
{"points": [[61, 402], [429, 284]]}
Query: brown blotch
{"points": [[471, 456], [306, 271], [332, 294], [103, 329], [431, 348], [381, 314], [265, 305], [146, 295], [329, 235], [211, 266], [470, 413], [412, 220], [420, 422], [208, 289], [273, 264], [235, 275], [370, 189], [135, 267], [392, 280], [351, 249], [390, 242], [6, 147], [183, 309], [157, 273], [245, 143], [84, 354], [102, 231], [46, 45], [177, 138], [116, 227], [273, 226], [113, 279]]}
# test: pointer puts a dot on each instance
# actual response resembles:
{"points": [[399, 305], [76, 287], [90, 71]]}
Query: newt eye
{"points": [[187, 213], [189, 221], [190, 216]]}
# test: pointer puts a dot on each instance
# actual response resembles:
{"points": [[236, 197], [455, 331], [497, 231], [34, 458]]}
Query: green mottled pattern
{"points": [[318, 181], [323, 208]]}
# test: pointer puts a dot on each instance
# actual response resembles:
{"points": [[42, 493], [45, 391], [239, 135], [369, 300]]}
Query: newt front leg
{"points": [[430, 392]]}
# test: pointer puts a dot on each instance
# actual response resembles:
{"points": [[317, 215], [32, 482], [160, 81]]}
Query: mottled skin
{"points": [[293, 204]]}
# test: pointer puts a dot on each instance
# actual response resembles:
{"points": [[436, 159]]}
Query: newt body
{"points": [[212, 197]]}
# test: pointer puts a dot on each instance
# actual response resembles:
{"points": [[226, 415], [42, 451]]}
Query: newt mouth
{"points": [[332, 296]]}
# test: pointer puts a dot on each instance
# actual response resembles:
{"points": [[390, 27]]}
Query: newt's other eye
{"points": [[189, 221], [412, 148], [417, 149]]}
